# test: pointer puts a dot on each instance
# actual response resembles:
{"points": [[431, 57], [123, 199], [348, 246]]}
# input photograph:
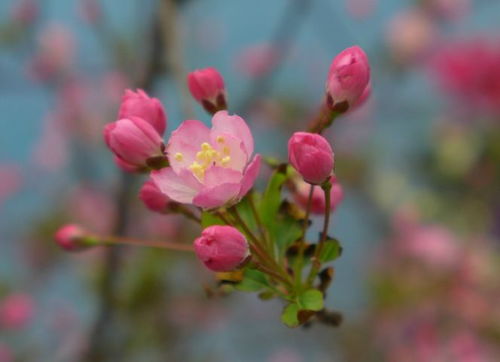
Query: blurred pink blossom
{"points": [[360, 9], [16, 311], [469, 70], [55, 53], [11, 181], [256, 60], [49, 152], [410, 35], [434, 245], [5, 353], [25, 11]]}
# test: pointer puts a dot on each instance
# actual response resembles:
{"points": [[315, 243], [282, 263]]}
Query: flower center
{"points": [[209, 156]]}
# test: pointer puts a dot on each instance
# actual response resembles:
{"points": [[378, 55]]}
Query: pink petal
{"points": [[216, 196], [239, 157], [223, 123], [217, 175], [250, 176], [181, 187], [186, 140]]}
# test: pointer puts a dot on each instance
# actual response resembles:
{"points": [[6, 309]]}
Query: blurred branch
{"points": [[174, 51], [281, 43], [100, 346]]}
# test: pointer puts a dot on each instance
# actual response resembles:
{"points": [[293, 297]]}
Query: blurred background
{"points": [[419, 278]]}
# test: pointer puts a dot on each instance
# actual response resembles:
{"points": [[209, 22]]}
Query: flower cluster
{"points": [[254, 241]]}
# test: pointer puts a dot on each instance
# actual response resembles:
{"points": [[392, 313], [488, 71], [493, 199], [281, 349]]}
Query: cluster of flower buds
{"points": [[255, 240], [136, 137]]}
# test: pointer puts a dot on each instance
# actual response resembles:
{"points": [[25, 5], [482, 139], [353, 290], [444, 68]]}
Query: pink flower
{"points": [[221, 248], [434, 245], [134, 141], [153, 198], [71, 237], [11, 181], [410, 34], [257, 60], [301, 195], [469, 70], [348, 77], [311, 155], [209, 167], [25, 11], [139, 104], [207, 87], [16, 310], [54, 54]]}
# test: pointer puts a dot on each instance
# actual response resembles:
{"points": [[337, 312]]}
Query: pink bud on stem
{"points": [[312, 156], [207, 87], [221, 248]]}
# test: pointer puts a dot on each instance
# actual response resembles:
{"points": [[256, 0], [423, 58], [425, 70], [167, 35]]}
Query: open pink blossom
{"points": [[209, 167]]}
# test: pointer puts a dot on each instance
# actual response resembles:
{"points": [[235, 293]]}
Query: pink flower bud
{"points": [[221, 248], [71, 237], [347, 79], [153, 198], [16, 310], [139, 104], [134, 141], [301, 196], [311, 155], [207, 87]]}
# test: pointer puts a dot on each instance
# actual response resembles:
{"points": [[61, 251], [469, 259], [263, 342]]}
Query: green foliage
{"points": [[253, 281], [271, 200], [311, 299], [209, 219], [290, 315], [331, 251]]}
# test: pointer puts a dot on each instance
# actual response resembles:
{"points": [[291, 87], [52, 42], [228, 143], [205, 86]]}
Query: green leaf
{"points": [[331, 251], [311, 299], [209, 219], [253, 280], [289, 316], [245, 210], [286, 231], [272, 197]]}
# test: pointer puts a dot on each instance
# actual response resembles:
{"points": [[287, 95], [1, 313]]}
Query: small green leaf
{"points": [[331, 251], [311, 299], [289, 316], [253, 280], [286, 231], [209, 219], [272, 197], [245, 210]]}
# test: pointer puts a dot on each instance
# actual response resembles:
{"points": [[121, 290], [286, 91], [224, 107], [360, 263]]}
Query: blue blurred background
{"points": [[55, 166]]}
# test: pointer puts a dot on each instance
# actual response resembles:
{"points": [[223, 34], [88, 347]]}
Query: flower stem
{"points": [[316, 264], [115, 240], [299, 265], [262, 229]]}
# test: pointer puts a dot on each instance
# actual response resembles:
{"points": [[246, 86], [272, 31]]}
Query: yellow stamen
{"points": [[220, 139], [225, 161], [179, 156]]}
